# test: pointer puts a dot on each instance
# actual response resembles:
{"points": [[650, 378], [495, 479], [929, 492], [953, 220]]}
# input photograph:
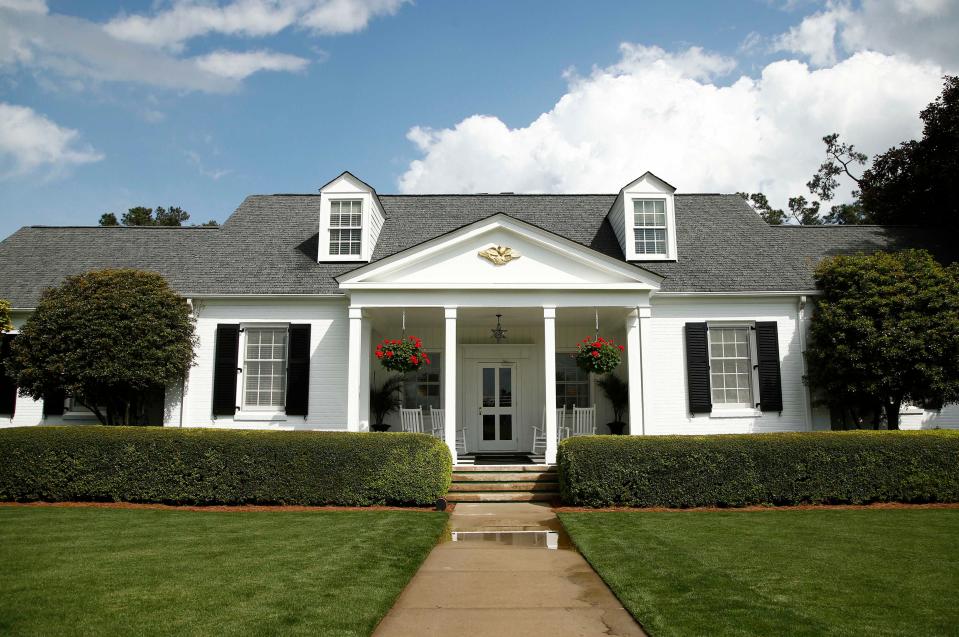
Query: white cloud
{"points": [[919, 29], [658, 111], [213, 173], [187, 19], [70, 47], [73, 48], [239, 65], [29, 141], [31, 6]]}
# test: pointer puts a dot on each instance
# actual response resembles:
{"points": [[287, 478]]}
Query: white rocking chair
{"points": [[584, 421], [411, 420], [438, 418], [539, 433]]}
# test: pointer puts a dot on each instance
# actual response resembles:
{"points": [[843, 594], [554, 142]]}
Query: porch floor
{"points": [[496, 458]]}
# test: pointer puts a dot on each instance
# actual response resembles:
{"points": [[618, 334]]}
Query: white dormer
{"points": [[644, 219], [350, 220]]}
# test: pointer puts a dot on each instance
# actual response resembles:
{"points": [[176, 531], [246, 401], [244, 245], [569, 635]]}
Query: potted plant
{"points": [[384, 400], [402, 355], [599, 355], [617, 392]]}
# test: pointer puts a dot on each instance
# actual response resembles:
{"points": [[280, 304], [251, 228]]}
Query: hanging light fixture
{"points": [[498, 332]]}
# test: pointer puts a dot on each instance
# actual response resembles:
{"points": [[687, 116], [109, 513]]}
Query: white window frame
{"points": [[256, 412], [667, 231], [590, 378], [734, 410], [360, 227], [73, 410], [407, 381]]}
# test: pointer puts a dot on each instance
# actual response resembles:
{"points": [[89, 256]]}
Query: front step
{"points": [[504, 483]]}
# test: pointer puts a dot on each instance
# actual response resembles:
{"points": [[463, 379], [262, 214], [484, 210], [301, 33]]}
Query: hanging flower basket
{"points": [[402, 355], [599, 355]]}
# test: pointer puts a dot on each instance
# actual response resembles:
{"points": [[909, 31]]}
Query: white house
{"points": [[293, 291]]}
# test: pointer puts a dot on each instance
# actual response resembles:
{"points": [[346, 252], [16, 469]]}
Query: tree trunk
{"points": [[892, 414]]}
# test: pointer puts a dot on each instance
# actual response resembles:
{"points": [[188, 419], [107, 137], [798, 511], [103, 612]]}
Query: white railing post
{"points": [[549, 364]]}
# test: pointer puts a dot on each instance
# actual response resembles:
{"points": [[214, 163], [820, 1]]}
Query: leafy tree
{"points": [[110, 339], [839, 157], [139, 216], [172, 216], [886, 330], [5, 323], [758, 202], [142, 216], [805, 213], [847, 214], [917, 182]]}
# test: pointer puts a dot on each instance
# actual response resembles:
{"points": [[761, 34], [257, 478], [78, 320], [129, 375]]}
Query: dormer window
{"points": [[643, 216], [346, 227], [649, 226], [351, 217]]}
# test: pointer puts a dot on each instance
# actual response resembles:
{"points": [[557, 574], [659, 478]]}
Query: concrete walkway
{"points": [[506, 569]]}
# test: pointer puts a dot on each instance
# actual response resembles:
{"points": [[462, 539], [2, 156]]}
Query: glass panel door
{"points": [[496, 410]]}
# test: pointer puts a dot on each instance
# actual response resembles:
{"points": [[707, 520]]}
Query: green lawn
{"points": [[89, 571], [840, 572]]}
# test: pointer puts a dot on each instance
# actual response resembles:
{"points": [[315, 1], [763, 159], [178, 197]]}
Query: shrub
{"points": [[216, 466], [842, 467]]}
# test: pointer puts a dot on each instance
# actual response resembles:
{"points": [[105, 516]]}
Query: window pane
{"points": [[264, 368], [506, 427], [730, 365], [572, 383], [489, 427], [505, 387], [489, 387], [422, 387]]}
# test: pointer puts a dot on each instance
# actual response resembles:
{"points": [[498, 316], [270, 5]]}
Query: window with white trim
{"points": [[422, 388], [731, 366], [264, 368], [649, 226], [572, 383], [346, 226]]}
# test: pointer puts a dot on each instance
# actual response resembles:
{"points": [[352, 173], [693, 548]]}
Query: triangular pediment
{"points": [[501, 252]]}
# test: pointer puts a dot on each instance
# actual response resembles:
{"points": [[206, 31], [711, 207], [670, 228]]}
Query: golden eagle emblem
{"points": [[499, 255]]}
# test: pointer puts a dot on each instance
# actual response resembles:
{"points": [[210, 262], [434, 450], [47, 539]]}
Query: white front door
{"points": [[496, 421]]}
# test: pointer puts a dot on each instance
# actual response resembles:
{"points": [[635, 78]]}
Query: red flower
{"points": [[426, 360], [621, 348], [379, 354], [414, 360], [595, 354], [389, 354]]}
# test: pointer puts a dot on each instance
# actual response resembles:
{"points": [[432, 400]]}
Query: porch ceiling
{"points": [[389, 317]]}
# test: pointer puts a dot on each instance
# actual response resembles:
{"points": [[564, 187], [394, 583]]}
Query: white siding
{"points": [[666, 395], [617, 220], [328, 361], [376, 224]]}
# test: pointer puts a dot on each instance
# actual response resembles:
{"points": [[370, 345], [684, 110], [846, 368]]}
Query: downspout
{"points": [[800, 325]]}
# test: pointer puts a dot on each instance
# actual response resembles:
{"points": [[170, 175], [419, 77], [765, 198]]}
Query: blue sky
{"points": [[574, 96]]}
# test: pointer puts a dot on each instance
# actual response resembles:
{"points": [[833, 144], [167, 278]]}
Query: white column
{"points": [[549, 366], [637, 344], [645, 356], [354, 373], [366, 338], [449, 380]]}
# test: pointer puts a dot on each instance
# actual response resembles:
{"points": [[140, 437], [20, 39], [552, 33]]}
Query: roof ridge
{"points": [[123, 227], [498, 194], [846, 225]]}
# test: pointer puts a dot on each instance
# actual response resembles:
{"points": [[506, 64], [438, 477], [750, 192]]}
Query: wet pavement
{"points": [[506, 569]]}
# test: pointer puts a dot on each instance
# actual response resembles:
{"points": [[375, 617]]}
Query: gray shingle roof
{"points": [[269, 245]]}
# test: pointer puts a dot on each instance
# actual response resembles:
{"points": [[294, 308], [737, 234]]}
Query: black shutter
{"points": [[767, 355], [53, 402], [225, 368], [8, 388], [697, 368], [298, 371]]}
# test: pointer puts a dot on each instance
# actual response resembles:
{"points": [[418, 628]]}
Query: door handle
{"points": [[479, 411]]}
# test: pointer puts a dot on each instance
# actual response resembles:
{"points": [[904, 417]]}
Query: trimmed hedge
{"points": [[847, 467], [219, 466]]}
